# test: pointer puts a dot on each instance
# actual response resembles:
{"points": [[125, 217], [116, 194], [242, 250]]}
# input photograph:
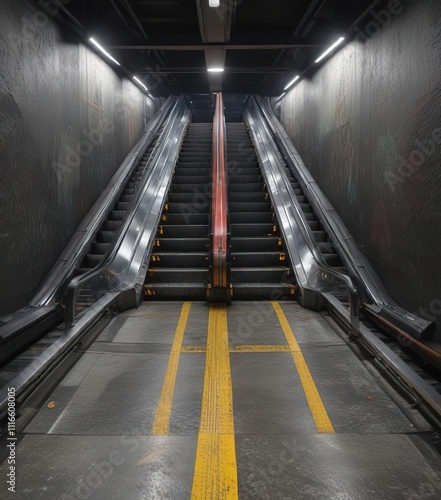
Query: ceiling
{"points": [[262, 44]]}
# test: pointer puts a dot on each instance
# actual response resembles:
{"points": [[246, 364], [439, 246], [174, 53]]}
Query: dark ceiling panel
{"points": [[133, 30]]}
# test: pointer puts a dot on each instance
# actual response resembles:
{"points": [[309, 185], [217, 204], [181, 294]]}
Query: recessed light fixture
{"points": [[104, 51], [215, 70], [214, 3], [291, 83], [331, 48], [139, 81]]}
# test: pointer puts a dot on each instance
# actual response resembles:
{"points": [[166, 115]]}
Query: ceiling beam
{"points": [[225, 46], [126, 4], [215, 27], [227, 70]]}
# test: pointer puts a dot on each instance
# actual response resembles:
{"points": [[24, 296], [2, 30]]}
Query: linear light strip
{"points": [[139, 81], [331, 48], [104, 51], [292, 82]]}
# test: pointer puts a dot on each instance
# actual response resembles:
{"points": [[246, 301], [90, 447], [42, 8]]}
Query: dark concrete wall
{"points": [[367, 125], [67, 120]]}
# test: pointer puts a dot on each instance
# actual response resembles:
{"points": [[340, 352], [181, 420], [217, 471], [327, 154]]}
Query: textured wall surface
{"points": [[67, 120], [368, 127]]}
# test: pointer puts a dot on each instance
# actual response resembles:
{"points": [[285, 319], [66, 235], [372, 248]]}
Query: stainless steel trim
{"points": [[126, 265], [312, 273], [368, 282]]}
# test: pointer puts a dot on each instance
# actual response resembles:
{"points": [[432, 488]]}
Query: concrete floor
{"points": [[257, 401]]}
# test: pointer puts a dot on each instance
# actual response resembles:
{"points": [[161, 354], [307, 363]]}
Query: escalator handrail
{"points": [[358, 265], [88, 228], [219, 202], [150, 188], [266, 142]]}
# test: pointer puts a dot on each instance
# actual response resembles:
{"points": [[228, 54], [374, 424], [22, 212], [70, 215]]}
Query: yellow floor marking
{"points": [[162, 417], [319, 414], [215, 472], [260, 348]]}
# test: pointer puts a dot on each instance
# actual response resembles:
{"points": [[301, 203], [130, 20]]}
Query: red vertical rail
{"points": [[219, 202]]}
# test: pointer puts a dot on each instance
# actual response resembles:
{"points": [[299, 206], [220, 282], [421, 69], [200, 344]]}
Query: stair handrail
{"points": [[219, 200]]}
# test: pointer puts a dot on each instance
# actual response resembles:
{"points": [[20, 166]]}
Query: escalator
{"points": [[105, 236], [260, 268], [323, 240], [179, 263]]}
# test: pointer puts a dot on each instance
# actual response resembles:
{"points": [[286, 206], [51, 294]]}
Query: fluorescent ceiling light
{"points": [[104, 51], [292, 82], [331, 48], [214, 3], [139, 81], [215, 70]]}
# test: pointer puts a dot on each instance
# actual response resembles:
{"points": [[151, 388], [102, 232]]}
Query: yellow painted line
{"points": [[193, 348], [162, 416], [260, 348], [319, 414], [215, 472]]}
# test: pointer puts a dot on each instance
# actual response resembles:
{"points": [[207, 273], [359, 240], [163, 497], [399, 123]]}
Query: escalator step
{"points": [[191, 179], [251, 217], [261, 291], [257, 230], [199, 198], [185, 208], [193, 219], [176, 291], [183, 231], [111, 225], [326, 247], [181, 244], [180, 260], [243, 206], [127, 198], [122, 205], [306, 207], [320, 236], [92, 260], [263, 244], [117, 215], [244, 179], [235, 196], [332, 259], [105, 236], [257, 259], [248, 187], [173, 275], [100, 248], [191, 171], [258, 274]]}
